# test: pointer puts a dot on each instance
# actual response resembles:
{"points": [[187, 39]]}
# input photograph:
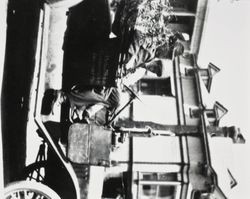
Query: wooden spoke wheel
{"points": [[28, 190]]}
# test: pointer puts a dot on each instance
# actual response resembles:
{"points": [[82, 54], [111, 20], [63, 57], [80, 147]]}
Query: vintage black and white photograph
{"points": [[125, 99]]}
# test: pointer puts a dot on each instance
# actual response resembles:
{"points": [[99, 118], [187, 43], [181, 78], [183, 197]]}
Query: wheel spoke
{"points": [[39, 176], [29, 190], [19, 195], [35, 171]]}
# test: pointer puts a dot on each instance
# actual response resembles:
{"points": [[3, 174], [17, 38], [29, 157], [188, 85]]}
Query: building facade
{"points": [[174, 159]]}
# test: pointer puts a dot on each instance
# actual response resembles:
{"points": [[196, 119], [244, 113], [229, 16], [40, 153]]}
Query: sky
{"points": [[226, 44]]}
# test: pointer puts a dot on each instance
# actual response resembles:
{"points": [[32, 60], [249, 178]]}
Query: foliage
{"points": [[152, 21], [150, 18]]}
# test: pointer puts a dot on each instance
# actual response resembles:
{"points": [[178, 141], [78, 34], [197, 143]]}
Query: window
{"points": [[157, 192], [158, 186], [155, 86]]}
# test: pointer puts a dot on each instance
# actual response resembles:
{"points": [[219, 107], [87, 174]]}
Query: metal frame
{"points": [[39, 79]]}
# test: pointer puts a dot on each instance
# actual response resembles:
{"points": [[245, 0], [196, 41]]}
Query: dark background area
{"points": [[22, 29]]}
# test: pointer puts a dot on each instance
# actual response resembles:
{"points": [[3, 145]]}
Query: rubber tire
{"points": [[30, 186]]}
